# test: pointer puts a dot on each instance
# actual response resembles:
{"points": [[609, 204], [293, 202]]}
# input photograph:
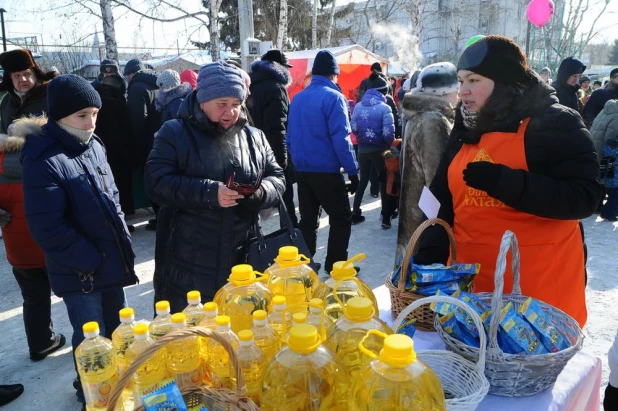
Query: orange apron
{"points": [[552, 255]]}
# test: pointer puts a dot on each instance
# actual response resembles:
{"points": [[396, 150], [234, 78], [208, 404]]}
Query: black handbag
{"points": [[263, 249]]}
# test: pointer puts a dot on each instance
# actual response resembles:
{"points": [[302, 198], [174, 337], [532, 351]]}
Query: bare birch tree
{"points": [[109, 31], [331, 23], [314, 26], [282, 31]]}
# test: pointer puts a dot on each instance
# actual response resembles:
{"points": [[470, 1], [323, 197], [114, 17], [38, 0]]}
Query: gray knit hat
{"points": [[219, 79], [168, 79]]}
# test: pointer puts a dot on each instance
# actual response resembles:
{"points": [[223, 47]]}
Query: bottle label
{"points": [[188, 379], [97, 394]]}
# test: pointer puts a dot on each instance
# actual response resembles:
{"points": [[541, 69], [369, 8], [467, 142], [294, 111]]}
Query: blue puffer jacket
{"points": [[73, 213], [318, 135], [372, 122]]}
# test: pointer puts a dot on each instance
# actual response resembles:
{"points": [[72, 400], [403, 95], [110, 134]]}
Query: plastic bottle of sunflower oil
{"points": [[183, 356], [396, 379], [318, 318], [218, 358], [241, 296], [122, 337], [279, 318], [292, 276], [152, 372], [305, 376], [343, 338], [252, 363], [194, 310], [162, 324], [266, 338], [209, 321], [343, 279], [96, 367]]}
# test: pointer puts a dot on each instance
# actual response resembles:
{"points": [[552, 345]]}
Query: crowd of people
{"points": [[500, 146]]}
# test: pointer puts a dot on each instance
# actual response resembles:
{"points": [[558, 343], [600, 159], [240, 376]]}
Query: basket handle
{"points": [[509, 242], [411, 247], [241, 388], [480, 366]]}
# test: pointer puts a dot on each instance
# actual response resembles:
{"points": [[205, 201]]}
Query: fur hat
{"points": [[437, 79], [133, 66], [325, 64], [498, 58], [219, 79], [19, 60], [614, 71], [168, 79], [545, 70], [69, 94], [109, 66], [379, 84]]}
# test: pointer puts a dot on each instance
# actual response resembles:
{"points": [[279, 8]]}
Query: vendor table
{"points": [[576, 389]]}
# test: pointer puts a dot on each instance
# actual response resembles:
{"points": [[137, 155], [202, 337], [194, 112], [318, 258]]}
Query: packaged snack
{"points": [[407, 328], [552, 339], [168, 397], [439, 273], [198, 408], [506, 344], [520, 331], [441, 308], [431, 289], [453, 328], [472, 300]]}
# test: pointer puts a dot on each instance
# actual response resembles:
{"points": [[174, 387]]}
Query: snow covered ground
{"points": [[48, 383]]}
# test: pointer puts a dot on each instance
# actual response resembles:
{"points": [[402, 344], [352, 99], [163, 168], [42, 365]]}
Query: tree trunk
{"points": [[214, 29], [331, 24], [283, 24], [109, 32], [314, 26]]}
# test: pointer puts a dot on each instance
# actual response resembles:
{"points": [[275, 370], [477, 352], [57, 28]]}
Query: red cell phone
{"points": [[244, 189]]}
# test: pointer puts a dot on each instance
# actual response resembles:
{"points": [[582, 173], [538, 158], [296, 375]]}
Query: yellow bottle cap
{"points": [[299, 318], [91, 327], [288, 253], [279, 300], [260, 315], [126, 313], [179, 318], [345, 269], [303, 338], [398, 351], [162, 305], [211, 307], [140, 329], [359, 309], [316, 303], [241, 273], [245, 335], [194, 295], [223, 320]]}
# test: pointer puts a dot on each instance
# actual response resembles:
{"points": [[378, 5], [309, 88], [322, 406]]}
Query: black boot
{"points": [[58, 344], [357, 218], [9, 392]]}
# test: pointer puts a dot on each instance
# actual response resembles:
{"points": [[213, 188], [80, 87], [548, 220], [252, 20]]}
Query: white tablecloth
{"points": [[576, 389]]}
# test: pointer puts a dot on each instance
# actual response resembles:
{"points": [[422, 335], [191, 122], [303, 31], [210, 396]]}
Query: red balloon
{"points": [[539, 12]]}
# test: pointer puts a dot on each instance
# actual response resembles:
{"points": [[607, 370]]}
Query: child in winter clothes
{"points": [[171, 94], [608, 170]]}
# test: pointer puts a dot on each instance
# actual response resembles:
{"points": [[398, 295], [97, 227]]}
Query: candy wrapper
{"points": [[552, 339], [520, 331], [166, 398]]}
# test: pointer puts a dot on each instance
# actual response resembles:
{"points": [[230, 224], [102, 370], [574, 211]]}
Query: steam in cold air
{"points": [[405, 45]]}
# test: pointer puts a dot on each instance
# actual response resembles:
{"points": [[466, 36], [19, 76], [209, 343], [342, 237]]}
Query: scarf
{"points": [[469, 117], [80, 135]]}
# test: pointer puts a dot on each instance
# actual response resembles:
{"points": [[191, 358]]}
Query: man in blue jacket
{"points": [[318, 139]]}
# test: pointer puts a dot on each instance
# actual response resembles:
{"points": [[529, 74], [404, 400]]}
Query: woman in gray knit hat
{"points": [[203, 224]]}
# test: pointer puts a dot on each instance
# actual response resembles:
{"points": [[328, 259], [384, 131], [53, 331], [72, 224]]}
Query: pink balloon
{"points": [[539, 12]]}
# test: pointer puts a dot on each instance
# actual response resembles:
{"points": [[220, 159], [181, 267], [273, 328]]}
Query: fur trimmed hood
{"points": [[414, 104], [166, 97], [20, 129], [266, 70]]}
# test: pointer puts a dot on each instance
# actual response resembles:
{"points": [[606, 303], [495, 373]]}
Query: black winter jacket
{"points": [[12, 108], [144, 117], [597, 102], [198, 242], [563, 178], [269, 103], [567, 94]]}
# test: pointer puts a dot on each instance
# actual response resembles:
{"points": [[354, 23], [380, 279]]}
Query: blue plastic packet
{"points": [[472, 300], [506, 344], [198, 408], [439, 273], [407, 328], [520, 331], [166, 398], [441, 308], [552, 339], [453, 328], [431, 289]]}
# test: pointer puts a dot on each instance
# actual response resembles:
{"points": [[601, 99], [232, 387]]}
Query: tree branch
{"points": [[164, 20]]}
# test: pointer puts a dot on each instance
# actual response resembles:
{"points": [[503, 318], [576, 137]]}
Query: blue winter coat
{"points": [[168, 102], [318, 135], [73, 213], [610, 153], [372, 122]]}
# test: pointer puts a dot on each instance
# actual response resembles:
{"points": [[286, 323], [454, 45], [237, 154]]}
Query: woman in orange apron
{"points": [[516, 160]]}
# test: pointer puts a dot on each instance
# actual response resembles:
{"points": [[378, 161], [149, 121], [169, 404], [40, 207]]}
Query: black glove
{"points": [[353, 186], [482, 175], [254, 201], [5, 217]]}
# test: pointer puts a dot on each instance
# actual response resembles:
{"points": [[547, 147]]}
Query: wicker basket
{"points": [[400, 297], [215, 399], [515, 375], [463, 381]]}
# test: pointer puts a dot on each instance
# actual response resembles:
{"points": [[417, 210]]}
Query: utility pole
{"points": [[245, 24], [2, 11]]}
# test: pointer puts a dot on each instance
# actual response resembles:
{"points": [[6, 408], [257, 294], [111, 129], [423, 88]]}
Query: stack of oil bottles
{"points": [[301, 344]]}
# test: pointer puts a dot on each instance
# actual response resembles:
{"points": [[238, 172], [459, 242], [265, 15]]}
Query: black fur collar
{"points": [[265, 69]]}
